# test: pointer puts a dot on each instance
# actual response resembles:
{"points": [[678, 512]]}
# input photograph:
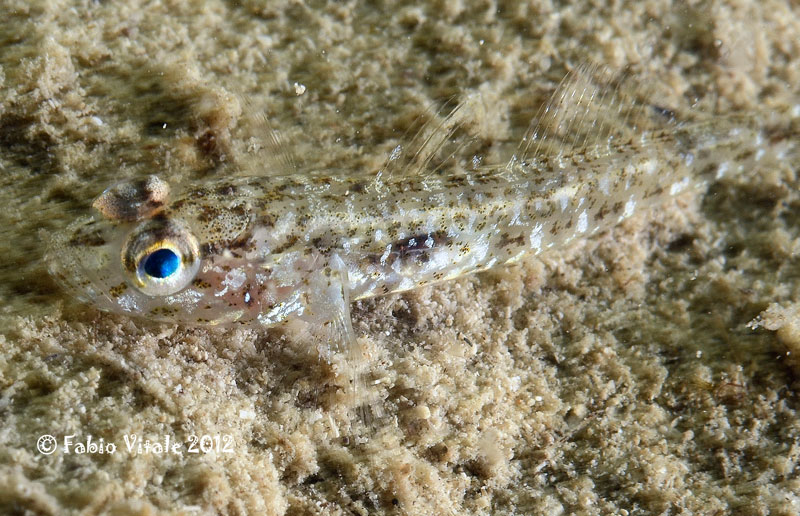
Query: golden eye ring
{"points": [[161, 257]]}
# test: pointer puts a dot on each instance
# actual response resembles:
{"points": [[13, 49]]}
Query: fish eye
{"points": [[161, 257], [161, 263]]}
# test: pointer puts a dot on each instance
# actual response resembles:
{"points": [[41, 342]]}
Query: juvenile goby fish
{"points": [[263, 250]]}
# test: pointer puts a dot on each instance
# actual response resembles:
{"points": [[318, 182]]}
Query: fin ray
{"points": [[271, 155], [594, 111], [433, 145]]}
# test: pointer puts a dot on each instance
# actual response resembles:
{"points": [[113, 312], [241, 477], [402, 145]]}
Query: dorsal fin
{"points": [[268, 153], [594, 111], [434, 143]]}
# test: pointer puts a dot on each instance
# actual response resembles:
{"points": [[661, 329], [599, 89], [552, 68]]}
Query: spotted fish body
{"points": [[262, 250]]}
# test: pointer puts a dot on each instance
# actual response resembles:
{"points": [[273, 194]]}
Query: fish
{"points": [[264, 250]]}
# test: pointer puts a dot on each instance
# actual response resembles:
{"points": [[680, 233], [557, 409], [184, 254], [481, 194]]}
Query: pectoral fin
{"points": [[328, 318]]}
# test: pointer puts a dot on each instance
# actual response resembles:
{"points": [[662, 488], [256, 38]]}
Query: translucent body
{"points": [[264, 250], [269, 246]]}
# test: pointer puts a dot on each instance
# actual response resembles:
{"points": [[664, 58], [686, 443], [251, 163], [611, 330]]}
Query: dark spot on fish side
{"points": [[242, 242], [419, 243], [265, 220], [602, 212], [201, 284], [164, 311], [290, 241], [117, 290], [319, 243], [506, 240]]}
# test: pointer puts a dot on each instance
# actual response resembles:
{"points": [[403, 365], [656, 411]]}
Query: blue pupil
{"points": [[161, 263]]}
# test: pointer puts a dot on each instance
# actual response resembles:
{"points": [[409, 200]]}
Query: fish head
{"points": [[180, 260]]}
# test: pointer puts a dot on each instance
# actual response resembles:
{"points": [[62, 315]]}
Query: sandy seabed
{"points": [[648, 370]]}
